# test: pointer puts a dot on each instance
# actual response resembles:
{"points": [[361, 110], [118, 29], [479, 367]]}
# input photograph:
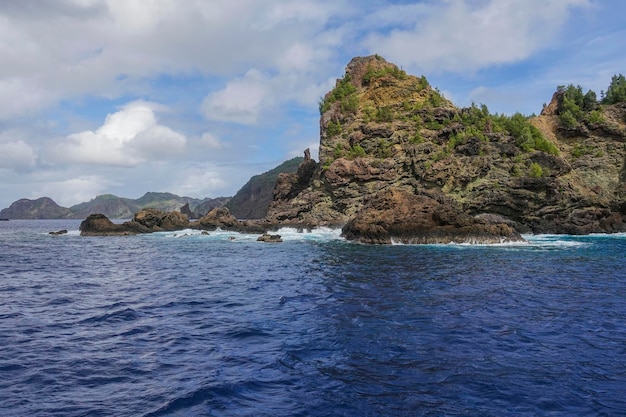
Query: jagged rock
{"points": [[187, 211], [100, 225], [157, 220], [145, 221], [218, 218]]}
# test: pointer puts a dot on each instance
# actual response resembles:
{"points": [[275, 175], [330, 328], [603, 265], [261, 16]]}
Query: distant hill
{"points": [[253, 199], [41, 208], [209, 204], [108, 204], [116, 207]]}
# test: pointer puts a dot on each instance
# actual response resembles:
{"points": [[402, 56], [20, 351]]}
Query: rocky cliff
{"points": [[253, 199], [392, 146]]}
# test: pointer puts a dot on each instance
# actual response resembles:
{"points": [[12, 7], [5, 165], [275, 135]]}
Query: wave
{"points": [[288, 234]]}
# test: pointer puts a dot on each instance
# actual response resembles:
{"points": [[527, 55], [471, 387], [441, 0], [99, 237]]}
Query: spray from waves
{"points": [[288, 234], [531, 242]]}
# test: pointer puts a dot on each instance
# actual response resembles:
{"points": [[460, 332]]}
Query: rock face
{"points": [[253, 199], [404, 217], [399, 161]]}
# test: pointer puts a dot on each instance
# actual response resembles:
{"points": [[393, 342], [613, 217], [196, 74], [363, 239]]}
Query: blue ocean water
{"points": [[184, 324]]}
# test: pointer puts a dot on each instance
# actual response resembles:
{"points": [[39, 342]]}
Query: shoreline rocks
{"points": [[399, 216]]}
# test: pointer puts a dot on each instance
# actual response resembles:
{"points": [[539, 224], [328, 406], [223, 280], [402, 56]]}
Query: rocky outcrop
{"points": [[405, 217], [383, 131], [269, 238], [58, 232], [145, 221], [187, 211], [218, 218], [152, 220]]}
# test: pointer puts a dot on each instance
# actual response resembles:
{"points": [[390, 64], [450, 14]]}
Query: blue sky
{"points": [[194, 97]]}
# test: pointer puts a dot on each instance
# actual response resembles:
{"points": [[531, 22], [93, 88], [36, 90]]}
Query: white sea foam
{"points": [[288, 234]]}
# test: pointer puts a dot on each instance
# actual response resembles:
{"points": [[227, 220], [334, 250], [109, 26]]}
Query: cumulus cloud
{"points": [[211, 141], [128, 137], [463, 35], [125, 42], [17, 155], [73, 190], [241, 101], [200, 181]]}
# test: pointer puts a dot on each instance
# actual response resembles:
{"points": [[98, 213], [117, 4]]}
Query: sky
{"points": [[194, 97]]}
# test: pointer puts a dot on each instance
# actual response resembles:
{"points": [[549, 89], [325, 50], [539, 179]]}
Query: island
{"points": [[398, 162]]}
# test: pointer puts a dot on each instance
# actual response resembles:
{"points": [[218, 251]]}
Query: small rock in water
{"points": [[266, 237], [58, 232]]}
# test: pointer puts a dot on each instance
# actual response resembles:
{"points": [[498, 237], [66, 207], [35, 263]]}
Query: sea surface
{"points": [[184, 324]]}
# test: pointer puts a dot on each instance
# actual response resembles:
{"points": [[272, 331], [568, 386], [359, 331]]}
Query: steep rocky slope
{"points": [[253, 199], [387, 137]]}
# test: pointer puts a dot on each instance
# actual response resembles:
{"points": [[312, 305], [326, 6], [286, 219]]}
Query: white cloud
{"points": [[200, 181], [241, 101], [128, 137], [17, 155], [211, 141], [158, 142], [68, 192], [462, 36], [108, 48]]}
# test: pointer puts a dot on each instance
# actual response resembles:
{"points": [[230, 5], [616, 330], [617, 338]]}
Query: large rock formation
{"points": [[391, 147], [145, 221], [151, 220]]}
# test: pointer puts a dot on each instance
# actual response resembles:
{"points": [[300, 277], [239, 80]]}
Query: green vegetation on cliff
{"points": [[616, 93], [382, 128]]}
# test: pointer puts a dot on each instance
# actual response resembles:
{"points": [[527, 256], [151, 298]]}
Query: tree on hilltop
{"points": [[616, 92]]}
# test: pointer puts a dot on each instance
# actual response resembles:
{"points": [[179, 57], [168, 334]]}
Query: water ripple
{"points": [[153, 326]]}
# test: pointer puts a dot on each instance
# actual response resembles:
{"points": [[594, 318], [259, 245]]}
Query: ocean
{"points": [[185, 324]]}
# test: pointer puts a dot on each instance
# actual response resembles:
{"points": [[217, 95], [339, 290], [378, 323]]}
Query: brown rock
{"points": [[100, 225], [268, 238], [157, 220], [219, 217], [400, 216]]}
